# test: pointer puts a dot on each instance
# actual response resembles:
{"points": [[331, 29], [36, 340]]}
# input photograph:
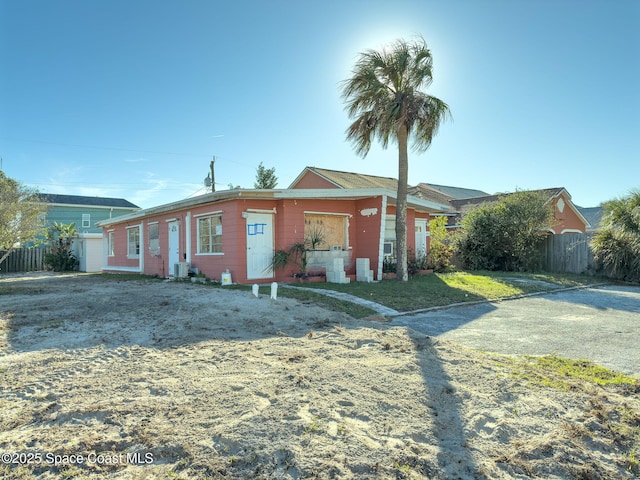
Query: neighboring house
{"points": [[568, 217], [239, 230], [85, 211]]}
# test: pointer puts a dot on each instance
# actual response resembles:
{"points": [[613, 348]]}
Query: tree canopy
{"points": [[265, 177], [20, 211], [386, 101]]}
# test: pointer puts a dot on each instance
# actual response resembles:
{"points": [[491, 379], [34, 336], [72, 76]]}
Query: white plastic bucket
{"points": [[226, 278]]}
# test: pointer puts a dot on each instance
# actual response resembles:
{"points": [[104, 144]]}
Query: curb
{"points": [[497, 300]]}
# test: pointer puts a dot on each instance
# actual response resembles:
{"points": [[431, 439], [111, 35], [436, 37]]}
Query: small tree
{"points": [[616, 246], [20, 211], [60, 236], [506, 234], [440, 252], [265, 177]]}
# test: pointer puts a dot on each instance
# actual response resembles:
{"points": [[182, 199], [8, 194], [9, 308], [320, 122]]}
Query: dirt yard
{"points": [[130, 379]]}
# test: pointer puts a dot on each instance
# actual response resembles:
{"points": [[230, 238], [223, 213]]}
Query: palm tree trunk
{"points": [[401, 206]]}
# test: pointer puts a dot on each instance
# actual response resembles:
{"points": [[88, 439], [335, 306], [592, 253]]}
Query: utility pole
{"points": [[210, 181], [213, 175]]}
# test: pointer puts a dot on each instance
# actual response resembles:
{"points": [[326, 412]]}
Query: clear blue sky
{"points": [[132, 98]]}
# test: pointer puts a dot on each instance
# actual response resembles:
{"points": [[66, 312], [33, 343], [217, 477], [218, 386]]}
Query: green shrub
{"points": [[506, 234], [61, 259], [616, 246], [440, 252]]}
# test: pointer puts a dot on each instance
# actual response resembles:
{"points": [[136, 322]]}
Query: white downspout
{"points": [[383, 219], [142, 249], [105, 249], [188, 238]]}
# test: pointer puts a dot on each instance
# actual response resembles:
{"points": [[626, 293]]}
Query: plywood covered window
{"points": [[331, 230], [154, 239]]}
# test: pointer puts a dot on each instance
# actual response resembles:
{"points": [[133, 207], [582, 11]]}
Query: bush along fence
{"points": [[24, 260], [568, 253]]}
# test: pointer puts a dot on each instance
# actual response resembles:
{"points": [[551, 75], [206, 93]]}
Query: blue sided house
{"points": [[85, 211]]}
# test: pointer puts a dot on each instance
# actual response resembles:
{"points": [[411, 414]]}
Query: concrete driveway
{"points": [[598, 324]]}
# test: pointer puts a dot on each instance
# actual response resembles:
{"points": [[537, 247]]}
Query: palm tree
{"points": [[385, 99]]}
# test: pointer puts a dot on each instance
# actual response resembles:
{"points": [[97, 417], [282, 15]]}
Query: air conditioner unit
{"points": [[388, 249], [181, 270], [336, 248]]}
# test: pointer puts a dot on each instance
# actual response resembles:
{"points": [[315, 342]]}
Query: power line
{"points": [[44, 142]]}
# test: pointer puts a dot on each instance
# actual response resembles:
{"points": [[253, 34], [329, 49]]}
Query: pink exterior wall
{"points": [[120, 246], [364, 225], [290, 229], [311, 180], [567, 219], [367, 224]]}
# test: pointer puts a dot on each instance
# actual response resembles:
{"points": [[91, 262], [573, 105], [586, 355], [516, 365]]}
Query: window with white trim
{"points": [[86, 220], [210, 234], [154, 238], [110, 246], [133, 242]]}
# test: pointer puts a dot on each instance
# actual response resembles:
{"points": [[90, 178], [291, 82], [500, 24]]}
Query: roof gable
{"points": [[348, 179]]}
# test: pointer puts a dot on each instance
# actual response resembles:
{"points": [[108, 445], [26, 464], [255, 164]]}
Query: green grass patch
{"points": [[419, 292], [564, 374], [12, 290], [123, 277], [427, 291]]}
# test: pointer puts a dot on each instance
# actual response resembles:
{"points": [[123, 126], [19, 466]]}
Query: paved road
{"points": [[599, 324]]}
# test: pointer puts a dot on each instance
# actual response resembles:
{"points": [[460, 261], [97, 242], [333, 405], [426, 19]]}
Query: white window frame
{"points": [[212, 243], [131, 230], [86, 220], [111, 246]]}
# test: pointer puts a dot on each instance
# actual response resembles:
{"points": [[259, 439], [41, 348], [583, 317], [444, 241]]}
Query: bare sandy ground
{"points": [[135, 380]]}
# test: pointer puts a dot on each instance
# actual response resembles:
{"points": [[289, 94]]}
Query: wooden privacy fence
{"points": [[24, 260], [568, 253]]}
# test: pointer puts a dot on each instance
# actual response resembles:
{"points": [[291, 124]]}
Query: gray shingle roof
{"points": [[593, 216], [455, 192], [86, 201]]}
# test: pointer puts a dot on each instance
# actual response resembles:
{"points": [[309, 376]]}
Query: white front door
{"points": [[259, 245], [174, 244], [421, 238]]}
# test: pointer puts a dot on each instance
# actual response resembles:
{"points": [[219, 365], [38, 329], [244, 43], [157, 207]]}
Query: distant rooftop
{"points": [[54, 198], [454, 192], [593, 215]]}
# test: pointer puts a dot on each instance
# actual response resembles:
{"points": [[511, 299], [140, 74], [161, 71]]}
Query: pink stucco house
{"points": [[239, 231]]}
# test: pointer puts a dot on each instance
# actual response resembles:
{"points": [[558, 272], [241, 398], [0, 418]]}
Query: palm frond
{"points": [[384, 94]]}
